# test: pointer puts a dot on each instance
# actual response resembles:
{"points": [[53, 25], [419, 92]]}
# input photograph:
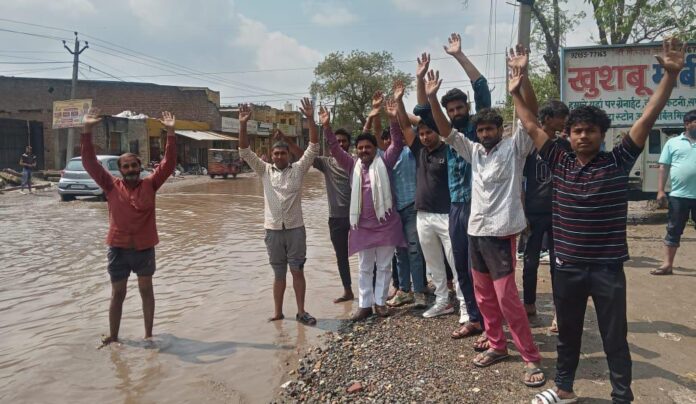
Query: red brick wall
{"points": [[32, 99]]}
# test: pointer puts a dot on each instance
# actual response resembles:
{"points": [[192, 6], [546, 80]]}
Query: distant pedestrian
{"points": [[678, 163], [28, 164]]}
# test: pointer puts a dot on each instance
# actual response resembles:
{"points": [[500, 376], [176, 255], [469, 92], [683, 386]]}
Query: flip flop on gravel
{"points": [[490, 357], [482, 344], [551, 397], [306, 319], [528, 373], [661, 271]]}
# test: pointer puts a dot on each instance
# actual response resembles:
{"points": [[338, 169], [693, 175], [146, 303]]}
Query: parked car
{"points": [[74, 180]]}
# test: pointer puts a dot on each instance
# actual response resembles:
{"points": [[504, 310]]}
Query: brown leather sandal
{"points": [[469, 329]]}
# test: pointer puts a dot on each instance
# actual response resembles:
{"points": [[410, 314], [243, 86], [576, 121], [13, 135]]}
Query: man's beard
{"points": [[460, 122], [490, 143], [132, 176]]}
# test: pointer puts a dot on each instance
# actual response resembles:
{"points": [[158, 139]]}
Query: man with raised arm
{"points": [[432, 203], [538, 188], [456, 104], [286, 240], [375, 227], [496, 219], [338, 196], [132, 233], [590, 205]]}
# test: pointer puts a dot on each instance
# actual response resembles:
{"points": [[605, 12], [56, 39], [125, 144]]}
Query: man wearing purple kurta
{"points": [[375, 227]]}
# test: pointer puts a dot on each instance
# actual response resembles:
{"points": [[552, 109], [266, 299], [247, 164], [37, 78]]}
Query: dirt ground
{"points": [[407, 358]]}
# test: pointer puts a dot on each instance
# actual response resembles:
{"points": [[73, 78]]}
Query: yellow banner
{"points": [[69, 113]]}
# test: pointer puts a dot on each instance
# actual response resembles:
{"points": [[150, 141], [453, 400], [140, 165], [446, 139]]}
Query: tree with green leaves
{"points": [[545, 88], [622, 21], [548, 34], [348, 82], [617, 21]]}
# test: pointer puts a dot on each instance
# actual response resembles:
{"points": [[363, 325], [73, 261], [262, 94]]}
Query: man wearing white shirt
{"points": [[286, 240], [496, 218]]}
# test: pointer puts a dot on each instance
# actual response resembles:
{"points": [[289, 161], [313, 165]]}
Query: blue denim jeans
{"points": [[410, 259], [458, 230]]}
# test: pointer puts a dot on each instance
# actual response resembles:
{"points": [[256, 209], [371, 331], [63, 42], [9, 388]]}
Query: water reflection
{"points": [[213, 291]]}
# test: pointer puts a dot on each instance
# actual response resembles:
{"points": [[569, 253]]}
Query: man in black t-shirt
{"points": [[537, 201], [28, 164]]}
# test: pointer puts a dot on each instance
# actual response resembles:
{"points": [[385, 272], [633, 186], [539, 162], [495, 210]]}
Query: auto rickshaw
{"points": [[224, 162]]}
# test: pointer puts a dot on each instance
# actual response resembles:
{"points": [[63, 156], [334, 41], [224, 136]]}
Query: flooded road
{"points": [[212, 290]]}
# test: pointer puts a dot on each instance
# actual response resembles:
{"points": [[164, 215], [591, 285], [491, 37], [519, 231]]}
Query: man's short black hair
{"points": [[488, 115], [342, 132], [366, 136], [454, 94], [553, 109], [588, 114], [281, 145], [386, 134], [690, 116]]}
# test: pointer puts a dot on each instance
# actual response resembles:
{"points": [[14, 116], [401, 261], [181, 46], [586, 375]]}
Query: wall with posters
{"points": [[620, 80]]}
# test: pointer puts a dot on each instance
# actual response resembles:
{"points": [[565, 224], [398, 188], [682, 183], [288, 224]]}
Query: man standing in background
{"points": [[28, 164]]}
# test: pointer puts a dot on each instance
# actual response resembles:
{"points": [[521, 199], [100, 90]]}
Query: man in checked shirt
{"points": [[286, 240]]}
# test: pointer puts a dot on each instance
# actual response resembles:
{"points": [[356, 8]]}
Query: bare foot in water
{"points": [[277, 317], [107, 340]]}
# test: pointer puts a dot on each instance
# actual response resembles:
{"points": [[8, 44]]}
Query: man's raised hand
{"points": [[324, 117], [244, 113], [168, 120], [377, 100], [398, 89], [673, 53], [454, 45], [307, 109], [392, 109], [515, 81], [518, 58], [433, 82], [91, 119], [423, 64], [278, 135]]}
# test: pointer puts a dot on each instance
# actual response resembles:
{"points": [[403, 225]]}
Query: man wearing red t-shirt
{"points": [[132, 231]]}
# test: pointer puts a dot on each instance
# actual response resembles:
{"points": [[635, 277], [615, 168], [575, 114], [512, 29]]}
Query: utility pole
{"points": [[76, 51], [524, 29], [525, 23]]}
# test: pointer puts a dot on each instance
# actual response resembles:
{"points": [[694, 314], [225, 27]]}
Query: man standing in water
{"points": [[338, 195], [286, 240], [132, 231]]}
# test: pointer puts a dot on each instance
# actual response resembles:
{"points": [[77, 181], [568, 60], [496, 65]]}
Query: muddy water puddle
{"points": [[213, 291]]}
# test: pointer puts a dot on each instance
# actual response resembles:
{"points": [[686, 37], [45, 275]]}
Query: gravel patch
{"points": [[408, 359]]}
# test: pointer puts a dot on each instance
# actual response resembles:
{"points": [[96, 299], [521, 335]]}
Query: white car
{"points": [[75, 181]]}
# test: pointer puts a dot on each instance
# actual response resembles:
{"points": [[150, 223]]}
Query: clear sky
{"points": [[262, 51]]}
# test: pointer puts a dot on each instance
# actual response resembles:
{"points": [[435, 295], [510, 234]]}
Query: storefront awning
{"points": [[204, 135]]}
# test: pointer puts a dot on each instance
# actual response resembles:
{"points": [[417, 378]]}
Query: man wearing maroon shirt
{"points": [[132, 231]]}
